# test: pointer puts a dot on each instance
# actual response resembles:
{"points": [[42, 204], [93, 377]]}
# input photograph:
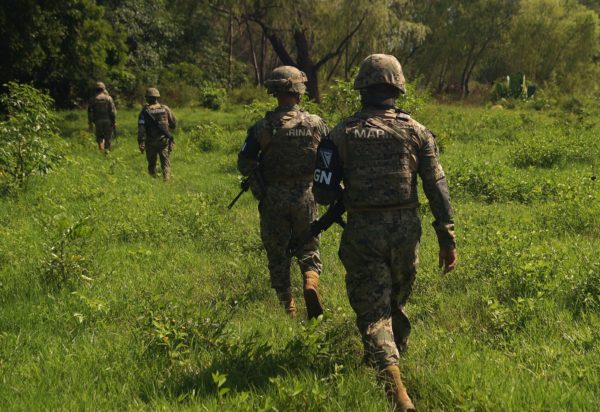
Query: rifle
{"points": [[164, 130], [332, 215], [244, 185]]}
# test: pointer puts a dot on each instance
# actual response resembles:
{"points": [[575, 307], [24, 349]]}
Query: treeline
{"points": [[195, 50]]}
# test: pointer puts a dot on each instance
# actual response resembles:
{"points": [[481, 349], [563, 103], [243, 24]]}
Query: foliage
{"points": [[212, 97], [65, 264], [65, 47], [26, 134]]}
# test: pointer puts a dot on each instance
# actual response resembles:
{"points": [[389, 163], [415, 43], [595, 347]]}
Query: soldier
{"points": [[377, 153], [103, 115], [279, 152], [154, 136]]}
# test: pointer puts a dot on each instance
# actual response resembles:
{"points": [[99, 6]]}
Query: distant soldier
{"points": [[154, 136], [102, 116], [377, 153], [279, 153]]}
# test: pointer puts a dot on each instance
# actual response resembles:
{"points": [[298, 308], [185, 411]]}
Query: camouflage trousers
{"points": [[286, 213], [379, 252], [104, 133], [162, 153]]}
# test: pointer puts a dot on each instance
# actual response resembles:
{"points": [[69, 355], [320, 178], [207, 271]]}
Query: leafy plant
{"points": [[26, 134], [212, 96], [65, 263]]}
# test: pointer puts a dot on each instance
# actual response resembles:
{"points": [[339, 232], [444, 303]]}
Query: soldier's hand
{"points": [[142, 147], [448, 259]]}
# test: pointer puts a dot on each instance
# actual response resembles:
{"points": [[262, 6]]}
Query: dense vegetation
{"points": [[193, 50], [118, 291]]}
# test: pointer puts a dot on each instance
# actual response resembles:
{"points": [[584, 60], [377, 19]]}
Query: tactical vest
{"points": [[289, 147], [161, 116], [101, 108], [379, 171]]}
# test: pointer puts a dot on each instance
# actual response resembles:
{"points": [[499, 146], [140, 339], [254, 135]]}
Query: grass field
{"points": [[118, 291]]}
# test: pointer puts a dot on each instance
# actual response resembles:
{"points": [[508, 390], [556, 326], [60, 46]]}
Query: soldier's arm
{"points": [[141, 128], [249, 153], [435, 187], [328, 173], [90, 113], [322, 129], [113, 111], [172, 119]]}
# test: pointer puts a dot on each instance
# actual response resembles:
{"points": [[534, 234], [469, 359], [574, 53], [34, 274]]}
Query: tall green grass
{"points": [[118, 291]]}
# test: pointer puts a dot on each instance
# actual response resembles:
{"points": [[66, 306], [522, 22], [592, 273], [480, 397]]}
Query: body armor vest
{"points": [[379, 170], [160, 115], [289, 147], [101, 108]]}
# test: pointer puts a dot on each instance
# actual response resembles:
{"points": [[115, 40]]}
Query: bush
{"points": [[207, 137], [26, 134], [212, 96], [65, 264]]}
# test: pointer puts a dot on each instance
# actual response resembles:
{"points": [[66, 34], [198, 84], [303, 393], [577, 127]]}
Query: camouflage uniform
{"points": [[282, 146], [103, 114], [287, 140], [377, 154], [152, 138]]}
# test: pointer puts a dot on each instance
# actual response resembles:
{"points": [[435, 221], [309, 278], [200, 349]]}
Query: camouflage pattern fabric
{"points": [[285, 216], [155, 141], [286, 79], [162, 153], [380, 69], [283, 146], [102, 113], [377, 154], [148, 132], [379, 252]]}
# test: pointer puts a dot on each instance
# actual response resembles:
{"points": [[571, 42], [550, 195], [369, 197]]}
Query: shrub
{"points": [[212, 96], [26, 134], [65, 263], [207, 137]]}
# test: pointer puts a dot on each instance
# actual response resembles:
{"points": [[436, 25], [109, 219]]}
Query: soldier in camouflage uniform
{"points": [[377, 153], [279, 152], [103, 115], [154, 136]]}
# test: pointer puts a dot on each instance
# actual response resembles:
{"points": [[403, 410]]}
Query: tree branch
{"points": [[341, 46]]}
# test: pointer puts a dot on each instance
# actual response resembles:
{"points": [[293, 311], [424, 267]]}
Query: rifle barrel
{"points": [[233, 202]]}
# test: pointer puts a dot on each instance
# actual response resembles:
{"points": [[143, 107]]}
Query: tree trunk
{"points": [[254, 60], [306, 64], [230, 62]]}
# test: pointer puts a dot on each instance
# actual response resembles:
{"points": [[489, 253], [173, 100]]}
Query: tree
{"points": [[62, 46], [554, 40], [297, 27], [461, 36]]}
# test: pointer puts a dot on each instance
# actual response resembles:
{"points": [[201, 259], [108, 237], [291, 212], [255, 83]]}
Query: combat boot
{"points": [[395, 389], [288, 302], [311, 295]]}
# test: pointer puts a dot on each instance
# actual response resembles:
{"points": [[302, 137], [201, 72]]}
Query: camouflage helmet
{"points": [[380, 69], [286, 79], [100, 86], [152, 92]]}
